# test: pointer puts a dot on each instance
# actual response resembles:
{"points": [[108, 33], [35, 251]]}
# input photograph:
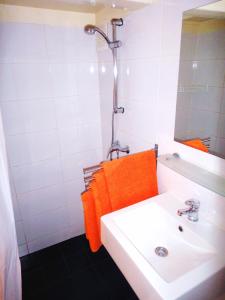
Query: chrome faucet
{"points": [[191, 211], [117, 148]]}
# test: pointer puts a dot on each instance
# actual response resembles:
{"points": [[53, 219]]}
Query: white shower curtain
{"points": [[10, 274]]}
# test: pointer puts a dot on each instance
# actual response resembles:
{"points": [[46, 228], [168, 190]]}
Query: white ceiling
{"points": [[213, 10], [91, 6]]}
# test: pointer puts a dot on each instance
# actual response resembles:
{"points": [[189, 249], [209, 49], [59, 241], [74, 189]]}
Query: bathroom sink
{"points": [[186, 250], [163, 255]]}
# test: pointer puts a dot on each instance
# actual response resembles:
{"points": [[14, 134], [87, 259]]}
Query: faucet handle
{"points": [[193, 203]]}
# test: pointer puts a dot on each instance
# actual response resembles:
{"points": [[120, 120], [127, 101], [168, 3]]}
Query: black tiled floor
{"points": [[70, 271]]}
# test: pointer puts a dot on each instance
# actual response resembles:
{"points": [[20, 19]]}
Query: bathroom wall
{"points": [[148, 81], [201, 91], [49, 98]]}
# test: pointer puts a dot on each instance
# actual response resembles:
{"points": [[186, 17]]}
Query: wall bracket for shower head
{"points": [[117, 22]]}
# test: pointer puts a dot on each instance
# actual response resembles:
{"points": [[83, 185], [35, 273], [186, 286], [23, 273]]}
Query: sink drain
{"points": [[161, 251]]}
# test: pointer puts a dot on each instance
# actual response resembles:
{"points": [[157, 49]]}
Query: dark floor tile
{"points": [[87, 284], [70, 271], [55, 272], [77, 261], [33, 280], [110, 273], [62, 290], [41, 257], [74, 245], [96, 257], [122, 293]]}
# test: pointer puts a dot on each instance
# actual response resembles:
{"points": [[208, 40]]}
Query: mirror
{"points": [[200, 111]]}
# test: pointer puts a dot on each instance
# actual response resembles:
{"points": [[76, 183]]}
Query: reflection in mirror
{"points": [[200, 112]]}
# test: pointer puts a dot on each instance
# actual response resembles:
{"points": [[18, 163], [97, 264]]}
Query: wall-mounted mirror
{"points": [[200, 112]]}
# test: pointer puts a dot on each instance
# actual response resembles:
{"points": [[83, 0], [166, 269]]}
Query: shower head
{"points": [[91, 29]]}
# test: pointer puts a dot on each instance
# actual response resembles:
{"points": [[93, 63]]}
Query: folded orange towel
{"points": [[120, 183], [197, 144], [131, 179], [91, 228], [101, 195]]}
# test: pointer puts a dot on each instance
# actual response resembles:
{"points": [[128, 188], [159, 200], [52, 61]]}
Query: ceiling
{"points": [[211, 11], [88, 6]]}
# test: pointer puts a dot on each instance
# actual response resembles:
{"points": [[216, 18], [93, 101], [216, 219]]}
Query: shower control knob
{"points": [[119, 110]]}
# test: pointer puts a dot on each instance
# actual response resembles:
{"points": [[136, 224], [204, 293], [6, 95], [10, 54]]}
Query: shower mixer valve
{"points": [[117, 148]]}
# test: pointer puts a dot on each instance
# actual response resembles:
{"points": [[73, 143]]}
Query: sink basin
{"points": [[192, 265], [186, 250]]}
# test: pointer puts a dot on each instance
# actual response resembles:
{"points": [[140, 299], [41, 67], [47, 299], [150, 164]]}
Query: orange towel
{"points": [[197, 144], [120, 183], [91, 228], [101, 196], [131, 179]]}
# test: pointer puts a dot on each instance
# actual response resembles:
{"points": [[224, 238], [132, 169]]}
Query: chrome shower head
{"points": [[91, 29]]}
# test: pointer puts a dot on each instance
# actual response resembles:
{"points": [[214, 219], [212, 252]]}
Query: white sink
{"points": [[194, 267], [186, 250]]}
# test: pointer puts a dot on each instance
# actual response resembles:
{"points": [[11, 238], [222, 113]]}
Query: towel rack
{"points": [[206, 141], [89, 171]]}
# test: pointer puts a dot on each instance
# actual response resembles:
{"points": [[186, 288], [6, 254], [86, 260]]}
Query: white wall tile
{"points": [[208, 98], [172, 18], [85, 46], [223, 101], [220, 146], [75, 215], [74, 207], [67, 111], [32, 147], [72, 190], [188, 45], [68, 138], [46, 223], [209, 72], [133, 33], [23, 250], [63, 79], [203, 123], [20, 233], [46, 240], [131, 86], [73, 165], [28, 116], [89, 136], [41, 200], [61, 43], [211, 45], [221, 132], [87, 78], [8, 89], [186, 73], [88, 108], [22, 42], [32, 80], [37, 175]]}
